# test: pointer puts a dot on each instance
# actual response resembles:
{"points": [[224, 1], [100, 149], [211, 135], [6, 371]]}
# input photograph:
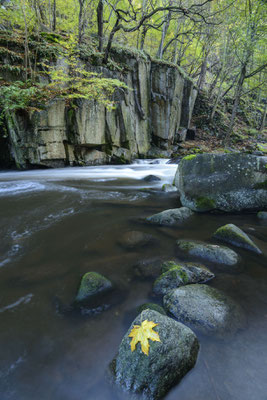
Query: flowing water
{"points": [[58, 224]]}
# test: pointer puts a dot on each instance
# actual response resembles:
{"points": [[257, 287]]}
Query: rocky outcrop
{"points": [[226, 182], [146, 117], [167, 362]]}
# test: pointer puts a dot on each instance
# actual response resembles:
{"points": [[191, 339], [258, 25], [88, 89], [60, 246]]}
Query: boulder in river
{"points": [[92, 284], [170, 217], [134, 239], [151, 178], [179, 276], [209, 252], [167, 362], [227, 182], [262, 215], [168, 188], [230, 233], [151, 306], [205, 308]]}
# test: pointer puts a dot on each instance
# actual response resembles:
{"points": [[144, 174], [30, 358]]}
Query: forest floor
{"points": [[210, 136]]}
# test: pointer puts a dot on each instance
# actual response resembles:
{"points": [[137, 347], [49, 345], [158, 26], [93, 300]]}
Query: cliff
{"points": [[145, 122]]}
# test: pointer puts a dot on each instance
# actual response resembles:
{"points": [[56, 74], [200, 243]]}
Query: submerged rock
{"points": [[168, 361], [151, 306], [230, 233], [170, 217], [148, 268], [92, 283], [227, 182], [135, 239], [151, 178], [168, 188], [262, 215], [179, 276], [205, 308], [210, 252]]}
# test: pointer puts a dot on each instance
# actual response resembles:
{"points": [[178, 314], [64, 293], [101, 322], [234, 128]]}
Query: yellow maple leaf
{"points": [[141, 333]]}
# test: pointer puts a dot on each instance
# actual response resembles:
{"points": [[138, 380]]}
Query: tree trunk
{"points": [[237, 100], [164, 33], [115, 29], [100, 25], [80, 27], [54, 25], [263, 121]]}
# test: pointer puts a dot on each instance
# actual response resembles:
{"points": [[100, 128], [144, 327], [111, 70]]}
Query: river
{"points": [[58, 224]]}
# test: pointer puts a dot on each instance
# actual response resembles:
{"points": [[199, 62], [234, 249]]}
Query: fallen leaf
{"points": [[141, 333]]}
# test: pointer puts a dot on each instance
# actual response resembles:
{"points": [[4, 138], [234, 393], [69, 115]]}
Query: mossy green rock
{"points": [[206, 309], [227, 182], [168, 361], [180, 276], [230, 233], [167, 265], [92, 284], [151, 306], [168, 188], [170, 217], [209, 252]]}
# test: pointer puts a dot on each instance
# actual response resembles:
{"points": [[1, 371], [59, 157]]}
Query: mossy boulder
{"points": [[230, 233], [148, 268], [170, 217], [153, 375], [206, 309], [167, 265], [180, 276], [226, 182], [92, 284], [151, 306], [209, 252], [262, 215]]}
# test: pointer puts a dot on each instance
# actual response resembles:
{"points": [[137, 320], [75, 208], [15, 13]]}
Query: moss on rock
{"points": [[205, 204], [230, 233], [92, 283]]}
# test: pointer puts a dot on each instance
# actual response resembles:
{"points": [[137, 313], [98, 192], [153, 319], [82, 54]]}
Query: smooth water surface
{"points": [[58, 224]]}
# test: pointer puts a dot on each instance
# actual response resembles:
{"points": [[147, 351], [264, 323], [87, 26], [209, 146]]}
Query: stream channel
{"points": [[57, 225]]}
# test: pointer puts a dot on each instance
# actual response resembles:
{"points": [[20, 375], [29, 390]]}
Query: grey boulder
{"points": [[209, 252], [230, 233], [168, 361], [227, 182], [206, 309], [170, 217], [181, 275]]}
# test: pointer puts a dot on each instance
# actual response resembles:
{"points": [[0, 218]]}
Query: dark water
{"points": [[57, 225]]}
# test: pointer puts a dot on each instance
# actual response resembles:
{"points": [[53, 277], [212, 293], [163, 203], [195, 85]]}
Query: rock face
{"points": [[146, 117], [230, 233], [92, 284], [209, 252], [206, 309], [167, 362], [227, 182], [180, 276], [170, 217]]}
